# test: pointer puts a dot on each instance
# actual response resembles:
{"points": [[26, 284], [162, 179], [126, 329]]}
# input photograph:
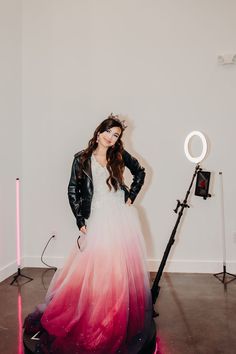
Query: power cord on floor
{"points": [[47, 265]]}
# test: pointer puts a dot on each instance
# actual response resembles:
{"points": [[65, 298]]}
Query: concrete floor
{"points": [[197, 313]]}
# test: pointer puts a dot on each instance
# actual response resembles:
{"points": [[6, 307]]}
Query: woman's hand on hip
{"points": [[129, 201], [83, 229]]}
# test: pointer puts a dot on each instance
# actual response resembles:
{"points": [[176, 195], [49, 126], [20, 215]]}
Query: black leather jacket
{"points": [[80, 190]]}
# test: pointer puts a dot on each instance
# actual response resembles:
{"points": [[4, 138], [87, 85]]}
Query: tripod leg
{"points": [[19, 274]]}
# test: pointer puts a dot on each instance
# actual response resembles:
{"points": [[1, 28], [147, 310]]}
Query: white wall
{"points": [[10, 129], [156, 63]]}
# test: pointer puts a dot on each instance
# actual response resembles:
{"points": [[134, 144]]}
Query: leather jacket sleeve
{"points": [[138, 173], [74, 193]]}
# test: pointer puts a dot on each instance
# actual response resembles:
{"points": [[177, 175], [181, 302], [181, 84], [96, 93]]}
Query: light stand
{"points": [[223, 275], [155, 287], [18, 239]]}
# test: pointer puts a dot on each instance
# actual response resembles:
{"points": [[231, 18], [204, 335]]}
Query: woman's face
{"points": [[109, 137]]}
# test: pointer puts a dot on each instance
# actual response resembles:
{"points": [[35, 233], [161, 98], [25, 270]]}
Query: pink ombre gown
{"points": [[100, 301]]}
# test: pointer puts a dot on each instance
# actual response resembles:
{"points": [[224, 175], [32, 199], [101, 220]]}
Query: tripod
{"points": [[155, 287], [19, 274], [224, 274]]}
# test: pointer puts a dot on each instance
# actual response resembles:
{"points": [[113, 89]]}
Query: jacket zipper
{"points": [[88, 176]]}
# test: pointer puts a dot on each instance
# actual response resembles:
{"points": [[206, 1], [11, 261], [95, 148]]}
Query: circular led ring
{"points": [[204, 147]]}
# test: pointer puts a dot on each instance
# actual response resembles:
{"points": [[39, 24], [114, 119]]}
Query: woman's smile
{"points": [[108, 141]]}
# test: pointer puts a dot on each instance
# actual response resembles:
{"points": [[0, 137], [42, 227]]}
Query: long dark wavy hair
{"points": [[115, 164]]}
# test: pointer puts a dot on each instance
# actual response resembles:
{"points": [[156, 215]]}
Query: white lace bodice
{"points": [[101, 193]]}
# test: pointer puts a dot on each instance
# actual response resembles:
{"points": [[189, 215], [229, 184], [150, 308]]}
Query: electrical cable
{"points": [[47, 265]]}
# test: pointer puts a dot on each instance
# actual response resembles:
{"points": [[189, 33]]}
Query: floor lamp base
{"points": [[19, 274], [223, 276]]}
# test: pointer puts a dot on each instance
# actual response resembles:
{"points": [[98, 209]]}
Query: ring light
{"points": [[199, 158]]}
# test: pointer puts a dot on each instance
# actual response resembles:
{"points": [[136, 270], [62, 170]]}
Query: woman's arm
{"points": [[74, 193], [138, 173]]}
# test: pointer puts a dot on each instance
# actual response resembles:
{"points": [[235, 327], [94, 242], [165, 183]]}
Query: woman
{"points": [[100, 301]]}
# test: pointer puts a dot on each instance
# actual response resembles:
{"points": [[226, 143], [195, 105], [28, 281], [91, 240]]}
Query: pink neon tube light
{"points": [[18, 222]]}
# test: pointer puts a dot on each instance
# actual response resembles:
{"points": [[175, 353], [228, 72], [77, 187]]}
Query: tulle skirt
{"points": [[100, 301]]}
